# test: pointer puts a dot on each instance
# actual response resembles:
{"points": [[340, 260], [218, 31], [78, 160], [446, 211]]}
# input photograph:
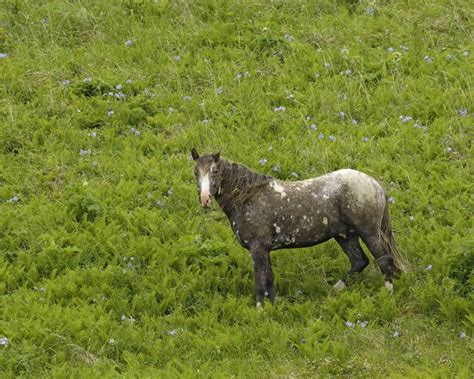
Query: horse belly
{"points": [[303, 225]]}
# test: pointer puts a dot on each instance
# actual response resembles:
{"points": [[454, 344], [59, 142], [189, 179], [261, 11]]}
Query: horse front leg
{"points": [[262, 271]]}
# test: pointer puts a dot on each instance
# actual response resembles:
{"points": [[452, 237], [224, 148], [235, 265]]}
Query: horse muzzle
{"points": [[206, 200]]}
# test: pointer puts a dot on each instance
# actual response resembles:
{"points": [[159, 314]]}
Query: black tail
{"points": [[388, 242]]}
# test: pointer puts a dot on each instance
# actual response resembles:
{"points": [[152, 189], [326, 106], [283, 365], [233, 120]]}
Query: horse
{"points": [[267, 214]]}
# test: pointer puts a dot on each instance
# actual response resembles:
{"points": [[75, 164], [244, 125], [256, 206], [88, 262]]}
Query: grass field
{"points": [[108, 264]]}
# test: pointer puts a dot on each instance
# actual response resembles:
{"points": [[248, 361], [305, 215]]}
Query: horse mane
{"points": [[240, 183]]}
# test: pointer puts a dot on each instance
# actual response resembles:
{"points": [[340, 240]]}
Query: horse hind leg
{"points": [[356, 255], [386, 263], [270, 292]]}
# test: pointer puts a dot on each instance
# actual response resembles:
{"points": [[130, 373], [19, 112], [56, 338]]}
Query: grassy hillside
{"points": [[108, 264]]}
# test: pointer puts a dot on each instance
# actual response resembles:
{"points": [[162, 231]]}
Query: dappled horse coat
{"points": [[268, 214]]}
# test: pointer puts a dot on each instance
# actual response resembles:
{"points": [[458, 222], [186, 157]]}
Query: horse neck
{"points": [[238, 185]]}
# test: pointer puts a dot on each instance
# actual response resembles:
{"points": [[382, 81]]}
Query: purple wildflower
{"points": [[136, 132], [418, 126], [84, 152], [391, 200], [332, 138], [363, 324], [279, 109], [128, 43], [4, 341], [3, 55], [263, 161]]}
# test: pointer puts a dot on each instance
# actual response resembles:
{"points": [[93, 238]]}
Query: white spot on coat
{"points": [[277, 187], [277, 228]]}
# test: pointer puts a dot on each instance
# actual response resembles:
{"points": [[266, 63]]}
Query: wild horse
{"points": [[268, 214]]}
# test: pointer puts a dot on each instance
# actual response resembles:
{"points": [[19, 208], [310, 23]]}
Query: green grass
{"points": [[108, 265]]}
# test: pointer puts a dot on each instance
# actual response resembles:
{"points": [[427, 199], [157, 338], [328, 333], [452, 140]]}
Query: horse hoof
{"points": [[389, 286], [339, 286], [259, 306]]}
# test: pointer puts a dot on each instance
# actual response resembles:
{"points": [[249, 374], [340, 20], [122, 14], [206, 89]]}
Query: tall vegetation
{"points": [[109, 266]]}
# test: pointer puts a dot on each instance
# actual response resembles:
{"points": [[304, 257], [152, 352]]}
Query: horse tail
{"points": [[388, 242]]}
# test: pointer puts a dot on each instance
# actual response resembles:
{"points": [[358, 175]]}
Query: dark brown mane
{"points": [[239, 184]]}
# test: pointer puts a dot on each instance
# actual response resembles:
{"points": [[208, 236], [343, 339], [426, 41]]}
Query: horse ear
{"points": [[194, 154], [216, 156]]}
